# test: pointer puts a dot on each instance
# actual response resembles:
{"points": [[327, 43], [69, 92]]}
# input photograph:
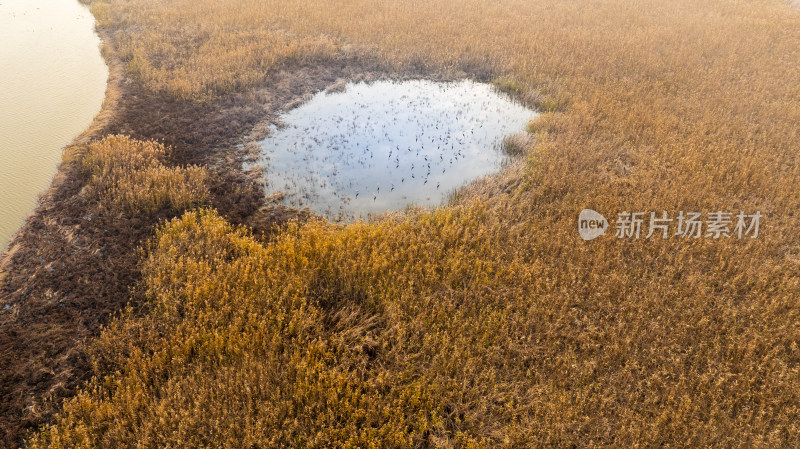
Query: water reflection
{"points": [[385, 145]]}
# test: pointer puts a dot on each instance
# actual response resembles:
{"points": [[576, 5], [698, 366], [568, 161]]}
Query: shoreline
{"points": [[113, 94]]}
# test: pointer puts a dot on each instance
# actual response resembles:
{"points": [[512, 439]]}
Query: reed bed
{"points": [[125, 175], [487, 323]]}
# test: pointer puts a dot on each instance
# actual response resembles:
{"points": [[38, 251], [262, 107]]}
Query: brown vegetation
{"points": [[489, 322], [127, 176]]}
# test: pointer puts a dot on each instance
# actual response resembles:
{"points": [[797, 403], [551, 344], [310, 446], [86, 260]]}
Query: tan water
{"points": [[52, 84]]}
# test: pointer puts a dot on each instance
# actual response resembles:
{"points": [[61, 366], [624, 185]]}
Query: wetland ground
{"points": [[488, 322]]}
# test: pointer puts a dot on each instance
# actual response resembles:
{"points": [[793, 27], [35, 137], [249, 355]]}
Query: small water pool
{"points": [[386, 145]]}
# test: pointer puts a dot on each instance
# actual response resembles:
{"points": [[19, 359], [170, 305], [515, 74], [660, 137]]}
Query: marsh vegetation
{"points": [[486, 323]]}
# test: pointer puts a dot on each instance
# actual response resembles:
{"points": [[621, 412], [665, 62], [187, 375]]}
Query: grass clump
{"points": [[518, 144], [127, 175]]}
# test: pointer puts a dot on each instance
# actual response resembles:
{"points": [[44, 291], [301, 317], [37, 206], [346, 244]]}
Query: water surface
{"points": [[52, 83], [386, 145]]}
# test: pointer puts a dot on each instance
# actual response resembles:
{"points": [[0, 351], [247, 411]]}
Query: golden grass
{"points": [[126, 175], [488, 323]]}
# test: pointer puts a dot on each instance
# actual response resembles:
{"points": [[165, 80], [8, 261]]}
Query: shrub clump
{"points": [[126, 175]]}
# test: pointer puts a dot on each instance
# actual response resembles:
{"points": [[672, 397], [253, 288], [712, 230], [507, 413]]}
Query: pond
{"points": [[386, 145], [52, 84]]}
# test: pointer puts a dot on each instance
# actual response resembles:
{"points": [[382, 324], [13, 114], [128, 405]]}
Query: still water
{"points": [[52, 83], [386, 145]]}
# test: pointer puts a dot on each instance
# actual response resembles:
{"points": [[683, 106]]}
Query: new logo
{"points": [[591, 224]]}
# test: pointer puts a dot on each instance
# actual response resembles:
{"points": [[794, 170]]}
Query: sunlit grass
{"points": [[127, 175]]}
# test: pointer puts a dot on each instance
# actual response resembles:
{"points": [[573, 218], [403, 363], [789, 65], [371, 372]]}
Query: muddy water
{"points": [[386, 145], [52, 83]]}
